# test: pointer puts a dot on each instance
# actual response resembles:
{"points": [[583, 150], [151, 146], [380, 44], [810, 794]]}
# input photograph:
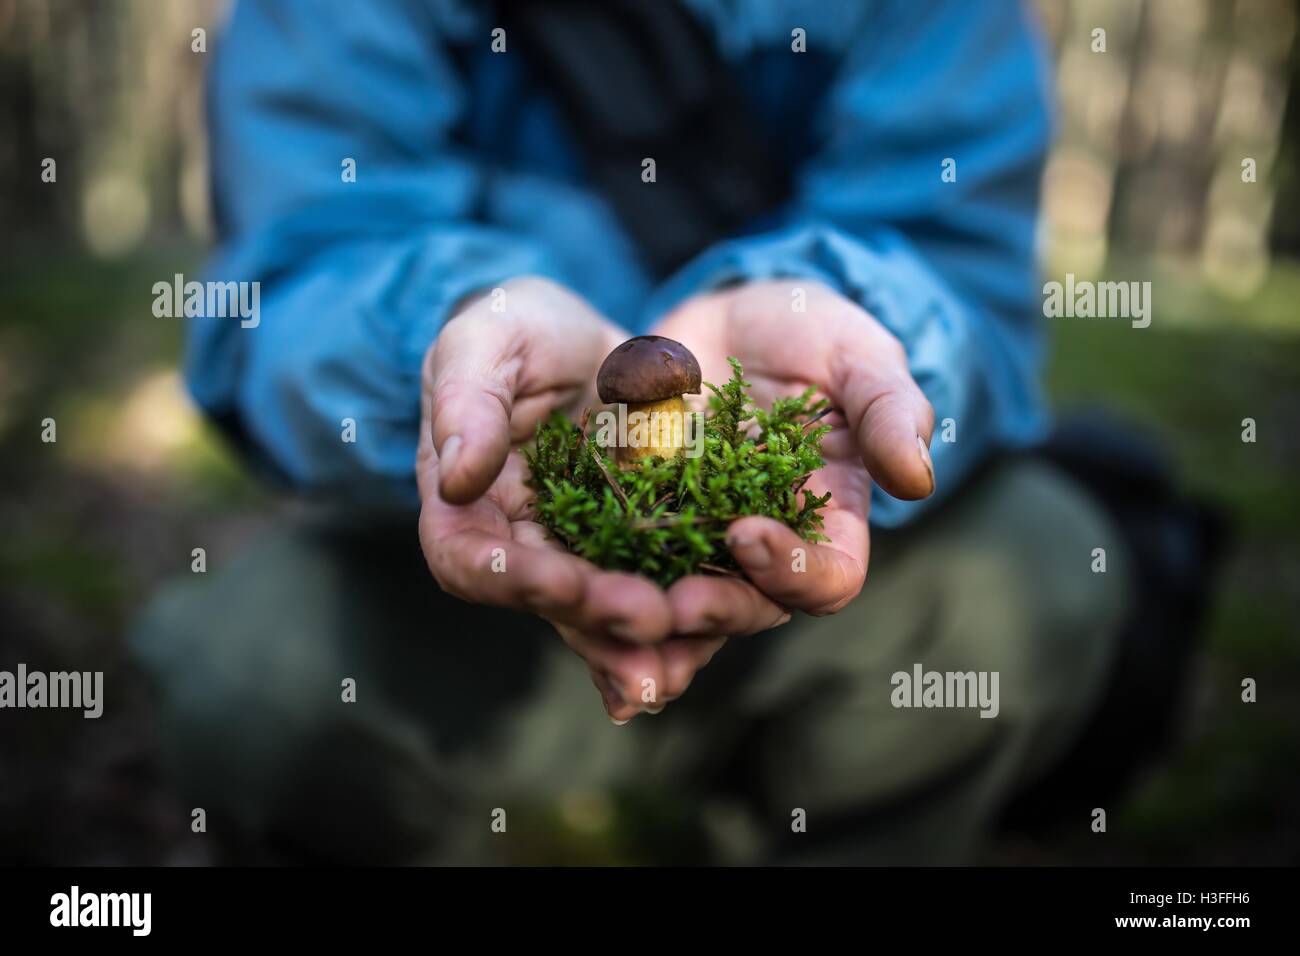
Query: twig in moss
{"points": [[600, 461]]}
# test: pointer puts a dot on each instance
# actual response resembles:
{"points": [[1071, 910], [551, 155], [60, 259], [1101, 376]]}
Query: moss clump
{"points": [[668, 518]]}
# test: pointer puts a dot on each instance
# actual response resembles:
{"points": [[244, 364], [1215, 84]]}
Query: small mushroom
{"points": [[649, 375]]}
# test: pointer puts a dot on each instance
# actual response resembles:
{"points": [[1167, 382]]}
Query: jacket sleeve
{"points": [[355, 277], [947, 266]]}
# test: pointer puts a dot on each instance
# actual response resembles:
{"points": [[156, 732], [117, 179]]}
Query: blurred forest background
{"points": [[1145, 183]]}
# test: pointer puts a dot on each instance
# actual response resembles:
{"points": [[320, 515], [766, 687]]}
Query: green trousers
{"points": [[476, 736]]}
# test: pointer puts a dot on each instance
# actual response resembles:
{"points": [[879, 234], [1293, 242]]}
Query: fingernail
{"points": [[447, 457], [751, 552], [618, 723], [654, 710], [925, 460]]}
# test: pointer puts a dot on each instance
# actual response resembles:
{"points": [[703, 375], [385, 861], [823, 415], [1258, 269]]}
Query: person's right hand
{"points": [[487, 380]]}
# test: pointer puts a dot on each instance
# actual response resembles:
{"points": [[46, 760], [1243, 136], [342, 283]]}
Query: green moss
{"points": [[668, 518]]}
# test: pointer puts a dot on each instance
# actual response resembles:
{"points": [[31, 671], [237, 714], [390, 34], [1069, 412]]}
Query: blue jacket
{"points": [[466, 177]]}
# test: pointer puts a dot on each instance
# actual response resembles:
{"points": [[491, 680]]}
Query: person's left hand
{"points": [[881, 432]]}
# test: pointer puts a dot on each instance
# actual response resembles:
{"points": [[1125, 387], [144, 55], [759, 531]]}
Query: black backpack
{"points": [[1176, 545]]}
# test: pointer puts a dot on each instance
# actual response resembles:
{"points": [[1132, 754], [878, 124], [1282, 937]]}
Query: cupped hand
{"points": [[790, 335], [501, 365]]}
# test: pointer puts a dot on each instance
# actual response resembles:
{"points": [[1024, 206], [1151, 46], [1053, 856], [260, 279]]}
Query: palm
{"points": [[783, 352]]}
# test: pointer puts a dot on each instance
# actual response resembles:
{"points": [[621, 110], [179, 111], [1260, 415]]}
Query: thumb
{"points": [[890, 419], [472, 396]]}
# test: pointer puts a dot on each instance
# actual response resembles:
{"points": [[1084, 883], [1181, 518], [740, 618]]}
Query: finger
{"points": [[682, 658], [490, 569], [632, 681], [473, 391], [815, 578], [887, 413], [714, 606], [633, 675], [625, 674], [625, 607], [487, 568], [620, 711]]}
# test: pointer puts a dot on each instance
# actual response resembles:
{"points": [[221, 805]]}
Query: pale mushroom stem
{"points": [[654, 428]]}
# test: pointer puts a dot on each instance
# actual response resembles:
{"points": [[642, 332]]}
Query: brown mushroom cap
{"points": [[648, 368]]}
